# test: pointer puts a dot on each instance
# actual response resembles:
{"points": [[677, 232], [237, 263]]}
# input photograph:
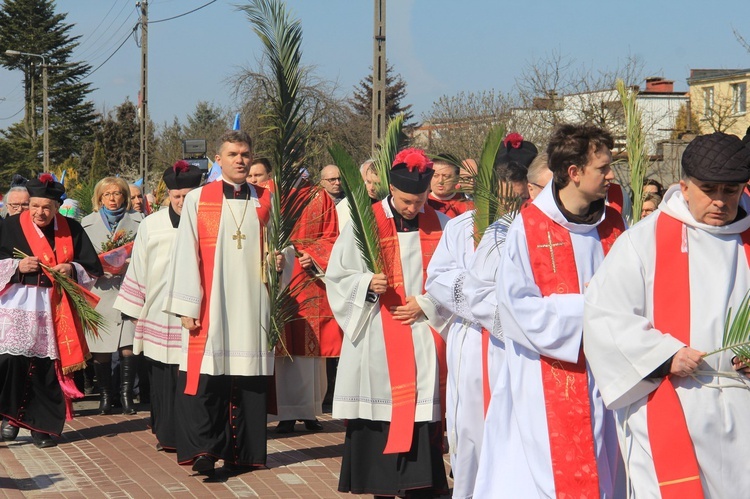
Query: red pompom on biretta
{"points": [[514, 139], [413, 158], [181, 166], [46, 178]]}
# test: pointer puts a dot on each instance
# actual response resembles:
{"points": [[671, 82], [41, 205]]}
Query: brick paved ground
{"points": [[114, 457]]}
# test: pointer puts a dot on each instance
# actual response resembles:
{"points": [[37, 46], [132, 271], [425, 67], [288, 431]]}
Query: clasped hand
{"points": [[31, 264]]}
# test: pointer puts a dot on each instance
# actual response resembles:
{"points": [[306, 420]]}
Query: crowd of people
{"points": [[560, 353]]}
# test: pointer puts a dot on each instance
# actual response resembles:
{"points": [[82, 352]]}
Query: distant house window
{"points": [[708, 102], [739, 98]]}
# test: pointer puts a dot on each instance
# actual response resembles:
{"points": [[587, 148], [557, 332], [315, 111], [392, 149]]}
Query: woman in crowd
{"points": [[112, 220]]}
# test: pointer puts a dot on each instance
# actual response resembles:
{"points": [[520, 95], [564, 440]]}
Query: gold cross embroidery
{"points": [[551, 247], [67, 343], [239, 236]]}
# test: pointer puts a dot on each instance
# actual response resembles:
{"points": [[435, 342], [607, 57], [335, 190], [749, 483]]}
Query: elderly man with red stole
{"points": [[158, 335], [654, 308], [560, 441], [312, 334], [444, 194], [216, 284], [41, 340], [392, 365]]}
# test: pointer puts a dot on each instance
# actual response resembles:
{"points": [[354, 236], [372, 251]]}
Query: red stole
{"points": [[672, 449], [615, 197], [209, 217], [565, 384], [399, 345], [71, 342], [486, 391]]}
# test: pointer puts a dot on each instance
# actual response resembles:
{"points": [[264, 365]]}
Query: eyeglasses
{"points": [[18, 206], [332, 180], [116, 194]]}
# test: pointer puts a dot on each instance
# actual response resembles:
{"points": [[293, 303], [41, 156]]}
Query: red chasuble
{"points": [[565, 384], [71, 342], [313, 332], [209, 217], [672, 449], [399, 345], [453, 207]]}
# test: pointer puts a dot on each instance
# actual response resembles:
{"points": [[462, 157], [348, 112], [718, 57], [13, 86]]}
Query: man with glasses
{"points": [[330, 180], [17, 200]]}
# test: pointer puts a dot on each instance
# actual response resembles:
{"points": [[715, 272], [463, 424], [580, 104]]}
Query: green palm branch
{"points": [[289, 130], [737, 331], [362, 216], [635, 145], [91, 320], [386, 151], [487, 203]]}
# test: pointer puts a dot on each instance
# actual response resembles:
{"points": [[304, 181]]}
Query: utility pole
{"points": [[45, 104], [45, 115], [144, 94], [378, 74]]}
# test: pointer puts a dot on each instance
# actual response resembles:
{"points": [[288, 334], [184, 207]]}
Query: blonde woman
{"points": [[112, 214]]}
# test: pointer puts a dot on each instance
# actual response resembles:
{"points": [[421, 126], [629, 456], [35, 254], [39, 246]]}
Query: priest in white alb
{"points": [[392, 360], [480, 287], [158, 335], [558, 439], [216, 285], [655, 307]]}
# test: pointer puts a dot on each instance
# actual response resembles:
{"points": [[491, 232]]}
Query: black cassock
{"points": [[30, 395]]}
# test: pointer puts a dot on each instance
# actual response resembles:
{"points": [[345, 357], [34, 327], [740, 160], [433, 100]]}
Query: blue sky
{"points": [[440, 47]]}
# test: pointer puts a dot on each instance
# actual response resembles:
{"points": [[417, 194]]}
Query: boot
{"points": [[104, 383], [128, 367]]}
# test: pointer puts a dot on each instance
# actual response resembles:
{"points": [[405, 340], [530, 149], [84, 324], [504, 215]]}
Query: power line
{"points": [[113, 53], [91, 34], [183, 14], [14, 115]]}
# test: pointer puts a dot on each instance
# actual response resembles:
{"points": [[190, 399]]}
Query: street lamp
{"points": [[45, 110]]}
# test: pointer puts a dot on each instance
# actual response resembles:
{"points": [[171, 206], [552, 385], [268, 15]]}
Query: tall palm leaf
{"points": [[487, 203], [386, 151], [635, 146], [289, 130], [362, 216]]}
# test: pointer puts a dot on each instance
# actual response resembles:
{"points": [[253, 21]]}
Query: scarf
{"points": [[112, 217]]}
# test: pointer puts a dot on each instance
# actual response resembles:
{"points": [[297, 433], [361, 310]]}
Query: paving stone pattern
{"points": [[115, 457]]}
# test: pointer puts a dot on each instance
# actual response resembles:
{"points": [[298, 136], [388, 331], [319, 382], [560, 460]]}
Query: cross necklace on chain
{"points": [[239, 236]]}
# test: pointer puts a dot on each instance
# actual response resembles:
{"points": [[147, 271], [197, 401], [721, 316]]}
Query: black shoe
{"points": [[204, 465], [285, 427], [42, 440], [128, 366], [313, 425], [8, 431]]}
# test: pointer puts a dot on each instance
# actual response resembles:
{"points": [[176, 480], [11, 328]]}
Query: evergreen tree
{"points": [[33, 26], [395, 93]]}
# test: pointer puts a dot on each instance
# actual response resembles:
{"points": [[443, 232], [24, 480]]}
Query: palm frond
{"points": [[387, 150], [362, 216], [635, 145], [289, 130], [736, 335], [91, 320], [486, 189]]}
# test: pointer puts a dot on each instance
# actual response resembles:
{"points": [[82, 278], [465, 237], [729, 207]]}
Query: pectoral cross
{"points": [[67, 343], [239, 236], [4, 325], [551, 247]]}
